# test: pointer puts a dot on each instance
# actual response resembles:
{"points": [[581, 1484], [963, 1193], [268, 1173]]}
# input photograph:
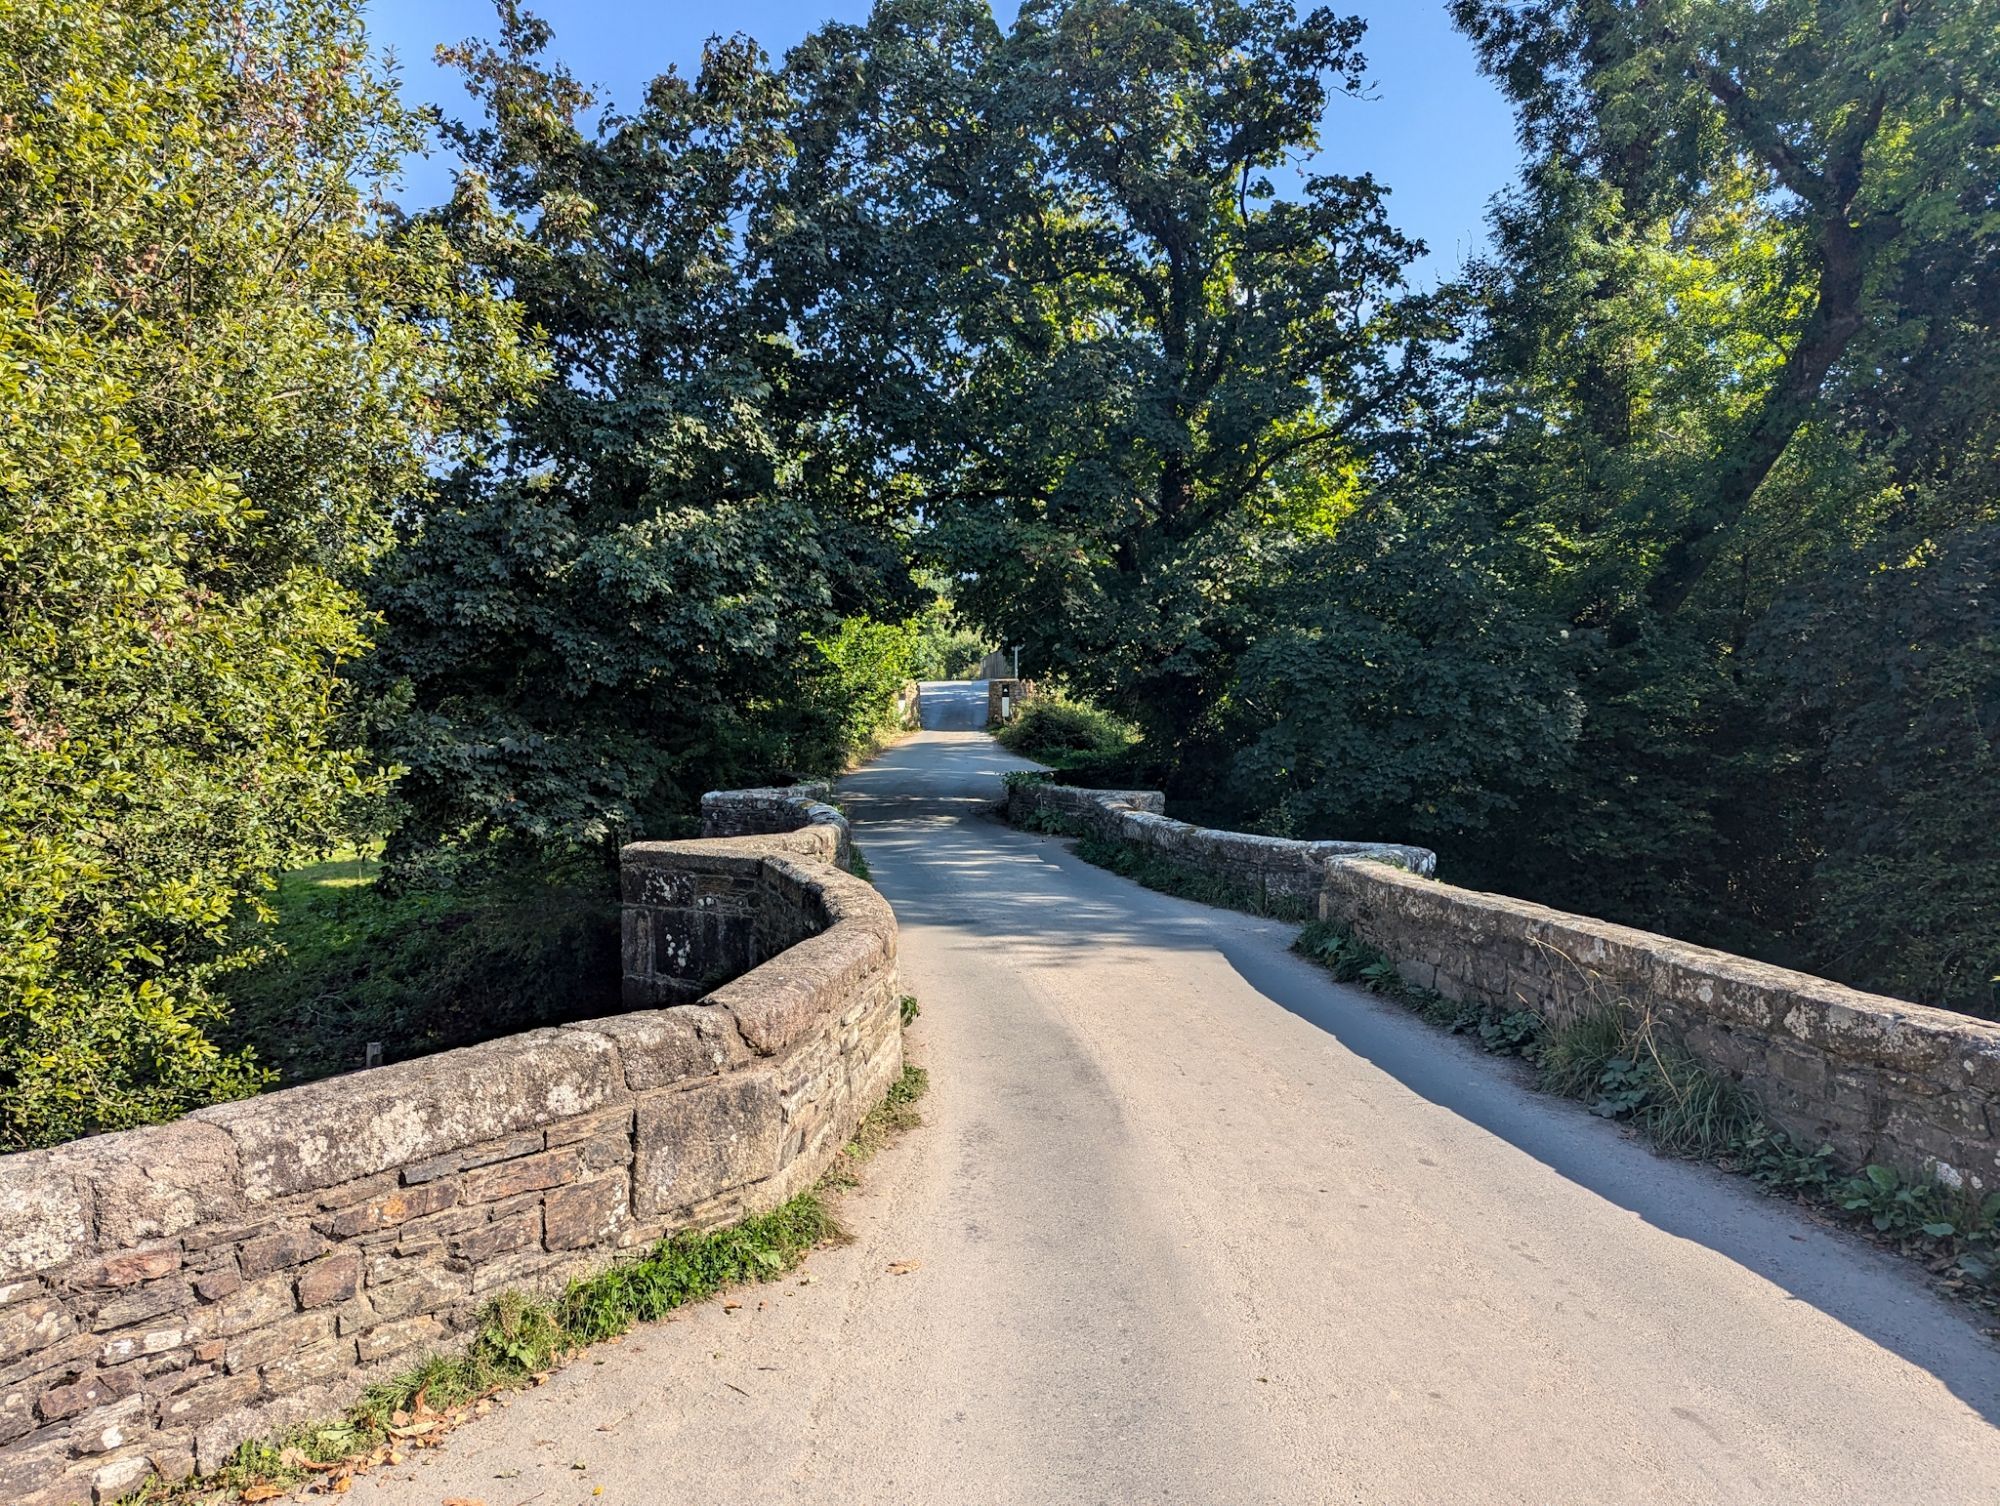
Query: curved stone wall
{"points": [[166, 1293], [1273, 867], [1880, 1080]]}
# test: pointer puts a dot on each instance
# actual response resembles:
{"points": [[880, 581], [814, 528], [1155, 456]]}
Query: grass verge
{"points": [[519, 1340], [1618, 1063]]}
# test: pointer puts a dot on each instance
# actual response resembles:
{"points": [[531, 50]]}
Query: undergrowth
{"points": [[1067, 734], [520, 1339], [1625, 1070], [420, 970], [1152, 871]]}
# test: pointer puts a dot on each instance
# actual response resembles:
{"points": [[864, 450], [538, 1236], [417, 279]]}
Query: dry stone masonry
{"points": [[166, 1293], [1880, 1080], [1272, 867]]}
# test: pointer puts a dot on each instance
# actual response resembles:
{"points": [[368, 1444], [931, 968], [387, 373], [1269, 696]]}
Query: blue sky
{"points": [[1436, 132]]}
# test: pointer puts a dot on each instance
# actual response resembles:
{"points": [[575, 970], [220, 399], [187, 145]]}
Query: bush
{"points": [[422, 971], [1066, 733]]}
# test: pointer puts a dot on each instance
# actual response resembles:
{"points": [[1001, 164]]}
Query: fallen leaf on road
{"points": [[462, 1501], [903, 1267], [261, 1493]]}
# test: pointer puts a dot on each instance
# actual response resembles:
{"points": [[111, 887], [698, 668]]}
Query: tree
{"points": [[617, 609], [217, 364], [1735, 354], [1122, 318], [1861, 134]]}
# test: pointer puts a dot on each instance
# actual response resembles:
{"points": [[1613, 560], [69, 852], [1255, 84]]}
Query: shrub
{"points": [[1057, 730]]}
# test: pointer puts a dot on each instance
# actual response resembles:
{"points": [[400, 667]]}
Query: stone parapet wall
{"points": [[1015, 693], [1270, 867], [804, 809], [166, 1293], [1880, 1080]]}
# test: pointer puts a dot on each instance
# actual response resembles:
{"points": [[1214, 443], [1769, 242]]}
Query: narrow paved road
{"points": [[1194, 1224]]}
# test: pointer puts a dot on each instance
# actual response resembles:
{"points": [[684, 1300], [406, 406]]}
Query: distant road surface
{"points": [[1191, 1223]]}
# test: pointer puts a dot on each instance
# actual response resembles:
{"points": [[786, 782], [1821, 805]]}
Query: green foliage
{"points": [[1068, 734], [221, 360], [1114, 325], [660, 586], [1399, 687], [849, 700], [942, 648], [421, 970], [1502, 1032], [1148, 868], [910, 1010]]}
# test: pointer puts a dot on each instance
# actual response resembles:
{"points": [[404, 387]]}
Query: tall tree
{"points": [[1129, 315], [621, 607], [219, 356], [1863, 132]]}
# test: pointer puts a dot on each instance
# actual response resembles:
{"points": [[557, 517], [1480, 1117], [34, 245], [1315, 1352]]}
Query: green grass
{"points": [[519, 1338], [856, 863], [420, 971], [1617, 1061]]}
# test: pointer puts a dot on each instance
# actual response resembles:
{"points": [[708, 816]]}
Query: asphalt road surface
{"points": [[1192, 1223]]}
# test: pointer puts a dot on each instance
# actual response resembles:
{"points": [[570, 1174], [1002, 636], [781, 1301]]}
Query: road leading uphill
{"points": [[1190, 1223]]}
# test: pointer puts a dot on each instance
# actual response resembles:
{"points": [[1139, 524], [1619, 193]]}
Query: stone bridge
{"points": [[1188, 1222]]}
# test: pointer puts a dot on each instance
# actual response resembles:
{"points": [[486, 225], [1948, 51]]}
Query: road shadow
{"points": [[1030, 897]]}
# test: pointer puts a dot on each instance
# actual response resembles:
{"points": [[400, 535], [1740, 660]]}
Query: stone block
{"points": [[389, 1210], [29, 1469], [83, 1393], [524, 1144], [704, 1140], [400, 1337], [332, 1279], [259, 1303], [129, 1267], [253, 1350], [276, 1252], [502, 1236], [585, 1215], [507, 1179], [151, 1184], [43, 1218], [110, 1427], [425, 1289], [662, 1047], [323, 1134], [32, 1327]]}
